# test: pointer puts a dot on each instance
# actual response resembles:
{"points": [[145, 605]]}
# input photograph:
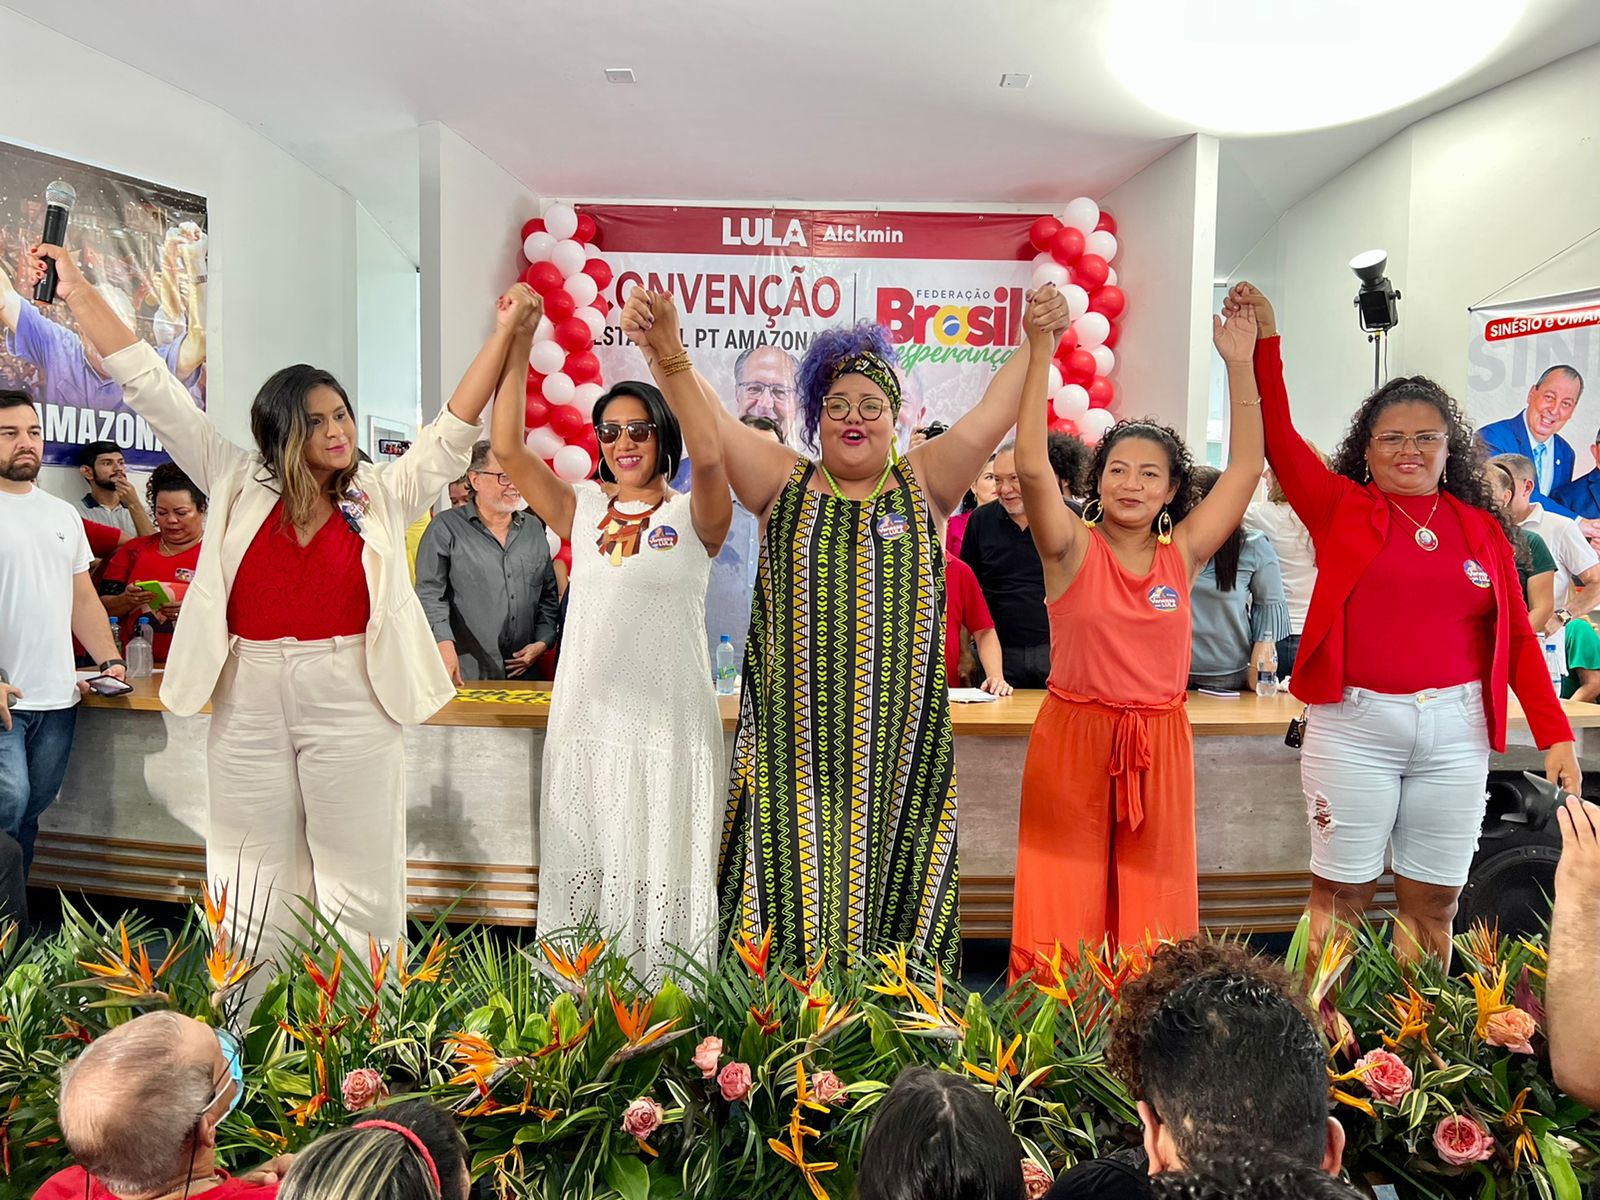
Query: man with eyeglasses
{"points": [[140, 1109], [486, 581], [763, 386]]}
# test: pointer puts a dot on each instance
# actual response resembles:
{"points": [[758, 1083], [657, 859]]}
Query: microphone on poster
{"points": [[59, 198]]}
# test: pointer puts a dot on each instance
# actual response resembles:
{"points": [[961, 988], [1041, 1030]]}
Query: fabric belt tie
{"points": [[1130, 747]]}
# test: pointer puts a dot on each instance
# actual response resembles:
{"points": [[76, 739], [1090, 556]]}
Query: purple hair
{"points": [[830, 350]]}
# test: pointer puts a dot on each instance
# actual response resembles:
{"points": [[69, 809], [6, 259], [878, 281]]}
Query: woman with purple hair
{"points": [[841, 828]]}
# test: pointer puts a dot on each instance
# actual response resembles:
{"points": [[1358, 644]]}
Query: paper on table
{"points": [[971, 696]]}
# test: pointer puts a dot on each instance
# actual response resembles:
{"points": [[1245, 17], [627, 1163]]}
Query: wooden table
{"points": [[130, 819]]}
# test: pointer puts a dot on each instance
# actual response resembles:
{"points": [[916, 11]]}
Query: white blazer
{"points": [[403, 661]]}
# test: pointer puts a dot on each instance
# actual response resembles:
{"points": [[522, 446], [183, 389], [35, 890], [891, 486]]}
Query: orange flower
{"points": [[1514, 1118], [477, 1059], [216, 910], [813, 1000], [573, 969], [793, 1153], [1482, 944], [432, 969], [304, 1112], [765, 1020], [1413, 1013], [753, 955], [1491, 999], [130, 976], [225, 968], [634, 1021], [556, 1044], [1057, 989], [1004, 1064], [327, 984]]}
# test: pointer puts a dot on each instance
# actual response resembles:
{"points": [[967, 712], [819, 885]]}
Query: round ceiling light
{"points": [[1277, 66]]}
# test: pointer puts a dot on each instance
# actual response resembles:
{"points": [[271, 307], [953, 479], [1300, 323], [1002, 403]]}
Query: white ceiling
{"points": [[884, 101]]}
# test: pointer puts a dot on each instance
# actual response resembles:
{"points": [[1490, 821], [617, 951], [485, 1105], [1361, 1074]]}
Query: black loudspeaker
{"points": [[1513, 877]]}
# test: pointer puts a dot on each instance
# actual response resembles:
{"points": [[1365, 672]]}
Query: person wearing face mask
{"points": [[1106, 835], [841, 829], [633, 753], [485, 581], [301, 628], [168, 556], [1409, 536]]}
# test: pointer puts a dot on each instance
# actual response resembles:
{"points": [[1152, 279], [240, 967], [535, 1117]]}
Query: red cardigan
{"points": [[1348, 524]]}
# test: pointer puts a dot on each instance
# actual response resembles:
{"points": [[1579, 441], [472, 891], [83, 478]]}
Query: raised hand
{"points": [[1046, 316], [519, 308], [664, 335], [1235, 337], [1247, 295], [637, 317], [68, 278]]}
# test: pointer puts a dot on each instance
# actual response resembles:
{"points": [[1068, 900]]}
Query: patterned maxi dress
{"points": [[840, 832]]}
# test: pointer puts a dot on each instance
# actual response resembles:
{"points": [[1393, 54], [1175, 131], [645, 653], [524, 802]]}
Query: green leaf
{"points": [[1559, 1165], [627, 1176], [1433, 1081]]}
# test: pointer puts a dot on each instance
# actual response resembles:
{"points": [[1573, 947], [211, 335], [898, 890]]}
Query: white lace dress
{"points": [[634, 767]]}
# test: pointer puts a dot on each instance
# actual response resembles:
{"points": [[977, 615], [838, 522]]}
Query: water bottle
{"points": [[1267, 673], [142, 651], [727, 667], [116, 635], [1553, 661]]}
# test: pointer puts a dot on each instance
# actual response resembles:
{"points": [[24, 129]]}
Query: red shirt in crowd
{"points": [[71, 1183], [141, 561], [103, 539], [309, 593], [1350, 525], [964, 608]]}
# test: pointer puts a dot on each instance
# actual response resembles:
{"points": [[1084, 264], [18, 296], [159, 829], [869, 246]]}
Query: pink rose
{"points": [[1461, 1140], [828, 1088], [641, 1118], [1036, 1181], [362, 1088], [734, 1081], [1514, 1030], [1388, 1078], [706, 1055]]}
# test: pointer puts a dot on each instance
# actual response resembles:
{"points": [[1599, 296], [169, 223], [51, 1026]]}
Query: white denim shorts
{"points": [[1404, 773]]}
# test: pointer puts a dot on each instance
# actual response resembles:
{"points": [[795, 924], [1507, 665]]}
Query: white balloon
{"points": [[559, 388], [573, 464], [1104, 360], [561, 221], [537, 245], [582, 288], [1077, 300], [553, 539], [1056, 382], [1092, 329], [583, 399], [1071, 402], [568, 258], [544, 331], [1102, 242], [1083, 214], [590, 250], [546, 357], [592, 318], [1041, 258], [1111, 277], [544, 441], [1094, 423], [1051, 272]]}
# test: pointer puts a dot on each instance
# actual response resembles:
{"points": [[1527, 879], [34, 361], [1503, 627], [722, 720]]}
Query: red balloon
{"points": [[602, 304], [573, 336], [1091, 272], [567, 421], [598, 270], [543, 277], [1043, 233], [583, 367], [1112, 336], [559, 305], [586, 229], [536, 412], [1101, 393], [1107, 223], [1109, 301], [1066, 246], [534, 226], [1080, 367], [589, 442], [1067, 344]]}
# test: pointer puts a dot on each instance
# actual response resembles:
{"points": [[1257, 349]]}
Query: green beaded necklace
{"points": [[876, 492]]}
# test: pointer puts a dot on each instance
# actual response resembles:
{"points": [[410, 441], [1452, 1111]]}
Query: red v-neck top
{"points": [[308, 593]]}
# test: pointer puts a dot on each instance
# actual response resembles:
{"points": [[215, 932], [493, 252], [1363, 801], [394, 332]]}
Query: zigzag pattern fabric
{"points": [[840, 831]]}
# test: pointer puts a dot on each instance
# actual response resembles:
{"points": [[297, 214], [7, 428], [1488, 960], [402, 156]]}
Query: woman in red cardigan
{"points": [[1416, 627]]}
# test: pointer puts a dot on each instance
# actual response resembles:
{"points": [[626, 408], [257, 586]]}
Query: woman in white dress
{"points": [[633, 760]]}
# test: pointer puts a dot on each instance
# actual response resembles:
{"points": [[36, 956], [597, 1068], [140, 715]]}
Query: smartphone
{"points": [[108, 685]]}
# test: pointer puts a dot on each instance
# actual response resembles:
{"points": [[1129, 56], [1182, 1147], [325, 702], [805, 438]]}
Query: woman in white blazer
{"points": [[301, 627]]}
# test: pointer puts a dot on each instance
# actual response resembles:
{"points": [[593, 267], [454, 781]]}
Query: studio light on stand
{"points": [[1377, 303]]}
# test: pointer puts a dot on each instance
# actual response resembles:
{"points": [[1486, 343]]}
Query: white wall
{"points": [[281, 235], [471, 214], [1464, 201], [1167, 226], [388, 372]]}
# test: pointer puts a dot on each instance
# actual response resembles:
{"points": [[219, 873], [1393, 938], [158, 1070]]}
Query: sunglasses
{"points": [[638, 431]]}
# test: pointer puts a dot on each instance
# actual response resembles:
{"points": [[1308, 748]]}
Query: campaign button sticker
{"points": [[664, 538], [1476, 573], [1163, 598], [893, 525]]}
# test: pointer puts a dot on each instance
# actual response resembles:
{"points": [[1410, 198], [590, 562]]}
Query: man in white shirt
{"points": [[46, 597]]}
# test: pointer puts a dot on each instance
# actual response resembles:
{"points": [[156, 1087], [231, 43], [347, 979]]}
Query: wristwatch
{"points": [[1564, 615], [112, 662]]}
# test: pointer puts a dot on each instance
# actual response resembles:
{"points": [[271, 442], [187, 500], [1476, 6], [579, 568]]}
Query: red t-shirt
{"points": [[103, 539], [308, 593], [1412, 600], [964, 608], [139, 561], [69, 1185]]}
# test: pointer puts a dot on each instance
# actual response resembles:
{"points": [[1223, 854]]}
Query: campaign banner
{"points": [[143, 246], [754, 286]]}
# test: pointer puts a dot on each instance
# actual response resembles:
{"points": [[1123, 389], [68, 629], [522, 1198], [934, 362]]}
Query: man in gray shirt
{"points": [[485, 580], [111, 499]]}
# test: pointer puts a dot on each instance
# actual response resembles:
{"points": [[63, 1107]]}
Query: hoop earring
{"points": [[1089, 522], [1164, 528]]}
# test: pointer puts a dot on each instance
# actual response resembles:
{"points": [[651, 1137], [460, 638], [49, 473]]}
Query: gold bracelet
{"points": [[1256, 403], [675, 364]]}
